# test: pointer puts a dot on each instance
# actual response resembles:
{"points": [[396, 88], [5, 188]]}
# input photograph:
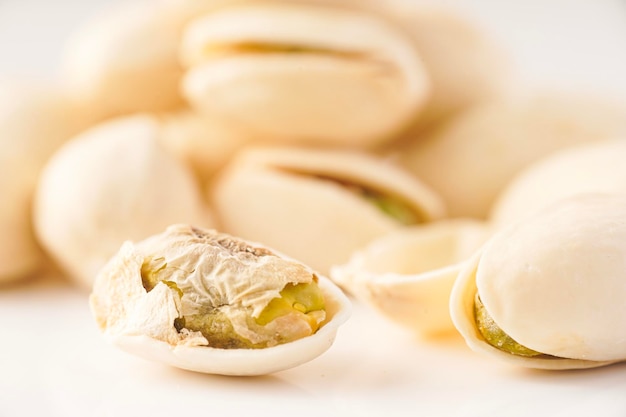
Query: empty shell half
{"points": [[290, 72], [407, 275], [318, 206], [210, 302], [548, 291]]}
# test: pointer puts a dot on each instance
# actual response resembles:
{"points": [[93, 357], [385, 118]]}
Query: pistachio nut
{"points": [[587, 167], [548, 291], [304, 73], [35, 119], [472, 158], [407, 274], [209, 302], [315, 205], [112, 183]]}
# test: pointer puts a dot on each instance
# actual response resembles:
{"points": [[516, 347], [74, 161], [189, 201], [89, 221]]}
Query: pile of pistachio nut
{"points": [[382, 151]]}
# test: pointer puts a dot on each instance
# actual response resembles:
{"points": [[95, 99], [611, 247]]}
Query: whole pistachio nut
{"points": [[548, 291], [471, 159], [587, 167], [112, 183], [35, 120], [210, 302], [407, 275], [304, 73], [317, 206], [125, 58]]}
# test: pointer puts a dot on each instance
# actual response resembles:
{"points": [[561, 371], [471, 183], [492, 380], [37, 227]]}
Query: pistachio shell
{"points": [[486, 146], [589, 167], [245, 66], [35, 120], [407, 275], [111, 183], [307, 203], [555, 283], [243, 275]]}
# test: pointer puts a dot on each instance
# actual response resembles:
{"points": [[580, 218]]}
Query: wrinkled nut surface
{"points": [[209, 302], [109, 184], [293, 199], [589, 167], [548, 291], [245, 65], [407, 275], [486, 146]]}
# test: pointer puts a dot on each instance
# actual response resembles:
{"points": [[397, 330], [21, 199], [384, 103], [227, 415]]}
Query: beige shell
{"points": [[125, 59], [364, 81], [555, 283], [589, 167], [303, 202], [109, 184], [35, 120], [204, 143], [485, 147], [407, 275], [142, 322]]}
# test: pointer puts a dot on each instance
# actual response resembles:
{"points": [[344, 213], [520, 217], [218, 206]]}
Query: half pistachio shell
{"points": [[209, 272], [318, 206], [590, 167], [245, 65], [554, 283], [407, 275]]}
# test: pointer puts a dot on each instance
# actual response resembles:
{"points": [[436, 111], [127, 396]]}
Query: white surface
{"points": [[53, 362]]}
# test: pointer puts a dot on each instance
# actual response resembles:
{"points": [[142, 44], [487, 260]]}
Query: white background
{"points": [[54, 363]]}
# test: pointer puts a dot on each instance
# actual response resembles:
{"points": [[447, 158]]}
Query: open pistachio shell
{"points": [[553, 283], [589, 167], [317, 205], [35, 120], [111, 183], [229, 282], [486, 146], [407, 275], [246, 66]]}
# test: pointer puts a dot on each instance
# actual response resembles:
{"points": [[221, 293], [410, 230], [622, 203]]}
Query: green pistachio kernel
{"points": [[392, 207], [304, 300], [494, 335]]}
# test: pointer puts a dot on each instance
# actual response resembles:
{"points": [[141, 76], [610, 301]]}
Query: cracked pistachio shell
{"points": [[35, 120], [109, 184], [245, 65], [212, 269], [589, 167], [486, 146], [555, 283], [125, 59], [310, 203], [407, 275]]}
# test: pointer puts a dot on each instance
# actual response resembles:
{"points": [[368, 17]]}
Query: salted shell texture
{"points": [[109, 184], [469, 160], [589, 167], [245, 66], [407, 275], [35, 119], [212, 270], [317, 206], [555, 283]]}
